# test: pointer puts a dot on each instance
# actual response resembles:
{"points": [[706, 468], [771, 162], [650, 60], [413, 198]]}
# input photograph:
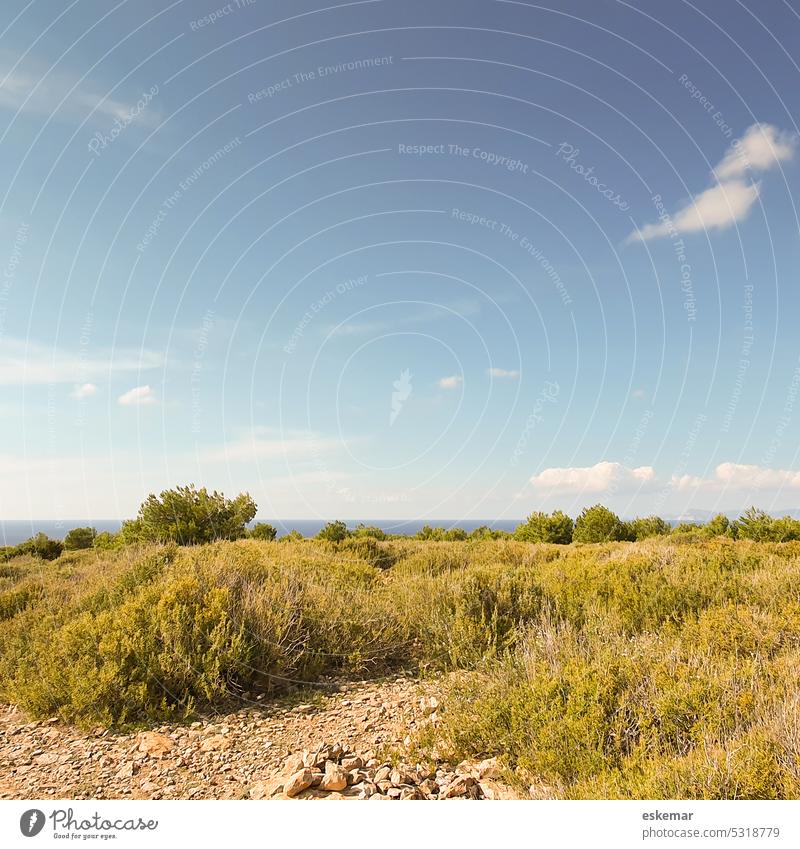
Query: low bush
{"points": [[78, 538], [190, 516], [369, 549], [599, 524], [40, 546], [263, 531], [542, 527], [585, 714], [651, 526], [334, 532], [616, 670]]}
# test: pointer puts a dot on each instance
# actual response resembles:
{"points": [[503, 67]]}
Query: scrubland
{"points": [[666, 668]]}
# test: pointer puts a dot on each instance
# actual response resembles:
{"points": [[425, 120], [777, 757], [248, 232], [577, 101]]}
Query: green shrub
{"points": [[652, 526], [370, 531], [190, 516], [40, 546], [645, 670], [154, 655], [334, 532], [583, 714], [556, 528], [105, 541], [755, 524], [746, 767], [15, 600], [687, 527], [369, 549], [785, 529], [78, 538], [263, 531], [718, 526], [485, 532], [292, 536], [442, 534], [598, 524]]}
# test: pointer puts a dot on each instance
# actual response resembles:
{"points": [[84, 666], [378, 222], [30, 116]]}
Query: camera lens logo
{"points": [[31, 822]]}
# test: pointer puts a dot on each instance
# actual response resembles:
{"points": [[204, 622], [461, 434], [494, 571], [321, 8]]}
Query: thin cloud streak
{"points": [[24, 363]]}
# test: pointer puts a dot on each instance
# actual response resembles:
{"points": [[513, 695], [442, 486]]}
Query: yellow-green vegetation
{"points": [[656, 669]]}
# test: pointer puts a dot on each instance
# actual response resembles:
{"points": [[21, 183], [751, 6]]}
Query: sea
{"points": [[14, 531]]}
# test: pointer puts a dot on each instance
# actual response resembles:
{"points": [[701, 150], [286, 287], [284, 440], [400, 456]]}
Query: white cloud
{"points": [[601, 477], [739, 476], [429, 313], [23, 362], [502, 373], [373, 328], [84, 390], [716, 208], [136, 397], [762, 147], [731, 198], [39, 90], [261, 443], [452, 382]]}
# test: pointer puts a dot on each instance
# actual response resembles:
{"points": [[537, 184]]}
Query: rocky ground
{"points": [[348, 745]]}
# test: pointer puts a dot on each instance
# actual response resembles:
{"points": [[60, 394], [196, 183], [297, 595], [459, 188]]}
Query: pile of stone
{"points": [[334, 771]]}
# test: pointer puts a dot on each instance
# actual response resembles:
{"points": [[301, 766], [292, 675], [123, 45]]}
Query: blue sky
{"points": [[399, 259]]}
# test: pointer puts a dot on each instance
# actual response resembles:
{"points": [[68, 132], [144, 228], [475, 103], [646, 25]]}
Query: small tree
{"points": [[263, 531], [718, 526], [334, 532], [372, 531], [42, 546], [785, 529], [105, 541], [131, 532], [39, 546], [687, 527], [650, 526], [429, 533], [485, 532], [292, 536], [598, 524], [556, 528], [79, 538], [190, 516], [755, 524]]}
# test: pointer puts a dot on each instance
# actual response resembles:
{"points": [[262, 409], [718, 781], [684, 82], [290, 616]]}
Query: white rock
{"points": [[298, 782], [335, 778], [293, 764]]}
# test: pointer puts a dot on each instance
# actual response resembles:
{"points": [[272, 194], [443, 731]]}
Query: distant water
{"points": [[14, 531], [402, 527]]}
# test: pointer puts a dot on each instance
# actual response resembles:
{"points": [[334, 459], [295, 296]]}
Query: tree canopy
{"points": [[334, 532], [190, 516], [261, 530], [554, 527], [78, 538], [598, 524]]}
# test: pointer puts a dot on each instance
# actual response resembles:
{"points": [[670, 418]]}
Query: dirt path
{"points": [[244, 754]]}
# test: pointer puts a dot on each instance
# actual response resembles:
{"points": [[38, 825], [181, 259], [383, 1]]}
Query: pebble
{"points": [[258, 752]]}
